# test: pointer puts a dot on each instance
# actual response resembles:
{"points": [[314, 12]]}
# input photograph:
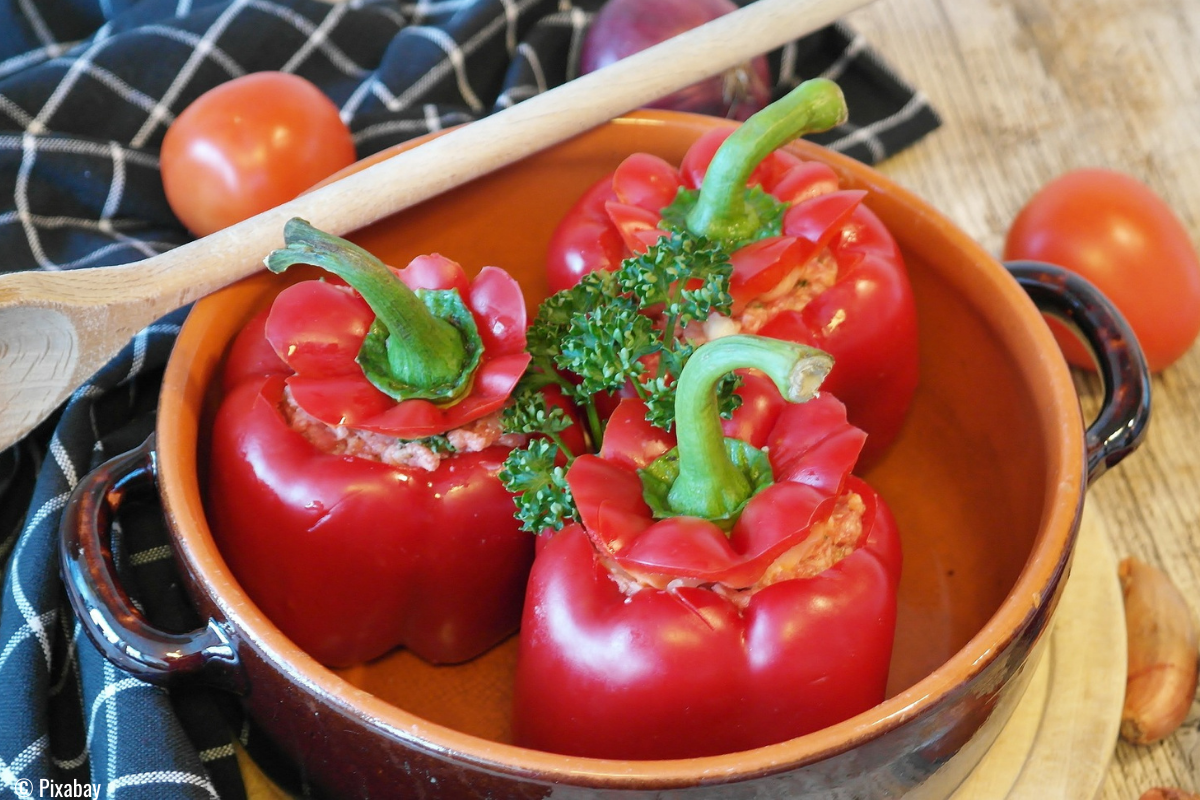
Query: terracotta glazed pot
{"points": [[987, 481]]}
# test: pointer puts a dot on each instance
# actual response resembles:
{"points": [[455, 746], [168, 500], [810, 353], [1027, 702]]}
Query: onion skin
{"points": [[624, 27]]}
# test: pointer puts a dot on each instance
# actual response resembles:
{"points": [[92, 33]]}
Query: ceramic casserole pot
{"points": [[987, 481]]}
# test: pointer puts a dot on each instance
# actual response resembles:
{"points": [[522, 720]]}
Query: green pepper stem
{"points": [[721, 212], [595, 426], [709, 484], [423, 350]]}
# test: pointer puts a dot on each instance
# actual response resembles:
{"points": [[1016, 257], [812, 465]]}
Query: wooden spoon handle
{"points": [[57, 329]]}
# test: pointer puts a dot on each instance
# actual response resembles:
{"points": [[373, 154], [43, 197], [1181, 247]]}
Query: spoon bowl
{"points": [[39, 356]]}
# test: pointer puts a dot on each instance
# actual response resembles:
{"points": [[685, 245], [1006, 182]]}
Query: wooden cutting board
{"points": [[1060, 739]]}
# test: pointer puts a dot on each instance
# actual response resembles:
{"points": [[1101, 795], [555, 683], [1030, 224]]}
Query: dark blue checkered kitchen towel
{"points": [[87, 89]]}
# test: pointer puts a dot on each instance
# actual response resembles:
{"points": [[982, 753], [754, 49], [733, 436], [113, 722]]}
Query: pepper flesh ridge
{"points": [[476, 435], [828, 542]]}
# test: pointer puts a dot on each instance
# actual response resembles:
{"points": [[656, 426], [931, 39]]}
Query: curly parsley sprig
{"points": [[611, 330], [530, 413], [539, 484]]}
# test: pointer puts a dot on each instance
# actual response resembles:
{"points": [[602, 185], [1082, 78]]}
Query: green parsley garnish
{"points": [[438, 443], [540, 484], [612, 330], [624, 328]]}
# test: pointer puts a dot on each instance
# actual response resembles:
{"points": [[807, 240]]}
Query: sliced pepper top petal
{"points": [[323, 331], [813, 443], [646, 181], [630, 440]]}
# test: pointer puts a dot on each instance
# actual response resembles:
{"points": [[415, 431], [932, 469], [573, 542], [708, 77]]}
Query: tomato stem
{"points": [[710, 484], [721, 211], [425, 355]]}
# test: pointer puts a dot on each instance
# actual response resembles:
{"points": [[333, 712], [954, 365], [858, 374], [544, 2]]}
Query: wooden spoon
{"points": [[58, 328]]}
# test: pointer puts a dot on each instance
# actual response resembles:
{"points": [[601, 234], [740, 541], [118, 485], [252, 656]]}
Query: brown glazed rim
{"points": [[1062, 431]]}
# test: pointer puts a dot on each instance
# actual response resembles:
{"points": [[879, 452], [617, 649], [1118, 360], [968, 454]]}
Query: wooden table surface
{"points": [[1028, 89]]}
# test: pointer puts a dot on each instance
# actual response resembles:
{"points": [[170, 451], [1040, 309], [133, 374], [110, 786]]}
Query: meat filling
{"points": [[424, 454], [828, 542], [793, 293]]}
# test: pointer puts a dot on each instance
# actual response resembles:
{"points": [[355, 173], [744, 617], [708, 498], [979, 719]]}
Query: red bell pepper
{"points": [[352, 479], [811, 263], [713, 596]]}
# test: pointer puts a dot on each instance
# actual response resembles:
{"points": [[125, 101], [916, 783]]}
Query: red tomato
{"points": [[1115, 232], [248, 145]]}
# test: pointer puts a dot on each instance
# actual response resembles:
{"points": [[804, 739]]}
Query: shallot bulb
{"points": [[623, 27]]}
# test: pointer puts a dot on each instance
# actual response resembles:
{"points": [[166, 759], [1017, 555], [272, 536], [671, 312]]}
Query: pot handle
{"points": [[1121, 424], [107, 614]]}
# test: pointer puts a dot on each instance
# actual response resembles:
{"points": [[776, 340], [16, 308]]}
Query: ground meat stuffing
{"points": [[342, 440], [827, 543], [793, 293]]}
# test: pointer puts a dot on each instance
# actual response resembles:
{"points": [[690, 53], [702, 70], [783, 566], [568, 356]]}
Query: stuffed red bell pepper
{"points": [[352, 480], [811, 263], [712, 596]]}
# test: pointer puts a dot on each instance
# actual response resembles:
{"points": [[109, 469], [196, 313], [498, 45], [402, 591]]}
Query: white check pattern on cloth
{"points": [[43, 665], [86, 94]]}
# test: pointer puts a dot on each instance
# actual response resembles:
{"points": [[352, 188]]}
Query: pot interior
{"points": [[972, 480]]}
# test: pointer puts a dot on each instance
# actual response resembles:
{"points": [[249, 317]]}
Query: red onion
{"points": [[623, 27]]}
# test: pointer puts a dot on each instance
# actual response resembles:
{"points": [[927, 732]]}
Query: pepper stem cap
{"points": [[420, 345], [710, 484], [722, 210]]}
